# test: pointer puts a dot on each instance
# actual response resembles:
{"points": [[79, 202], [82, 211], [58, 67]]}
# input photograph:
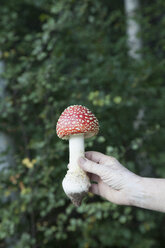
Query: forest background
{"points": [[59, 53]]}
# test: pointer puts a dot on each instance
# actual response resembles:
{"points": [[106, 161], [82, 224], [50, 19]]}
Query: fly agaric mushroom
{"points": [[76, 123]]}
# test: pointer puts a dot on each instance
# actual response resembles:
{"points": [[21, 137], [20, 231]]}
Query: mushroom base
{"points": [[77, 198], [75, 186]]}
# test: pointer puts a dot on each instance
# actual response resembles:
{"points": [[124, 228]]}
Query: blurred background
{"points": [[108, 56]]}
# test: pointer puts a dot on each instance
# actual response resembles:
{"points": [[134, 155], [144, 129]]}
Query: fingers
{"points": [[94, 189], [94, 178], [97, 157], [100, 158], [89, 175], [90, 166]]}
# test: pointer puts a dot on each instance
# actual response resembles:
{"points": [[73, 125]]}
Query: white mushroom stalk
{"points": [[76, 183], [76, 123], [76, 150]]}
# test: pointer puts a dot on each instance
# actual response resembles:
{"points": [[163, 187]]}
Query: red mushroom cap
{"points": [[77, 119]]}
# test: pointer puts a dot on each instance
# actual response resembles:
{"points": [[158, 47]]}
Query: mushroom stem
{"points": [[76, 183], [76, 150]]}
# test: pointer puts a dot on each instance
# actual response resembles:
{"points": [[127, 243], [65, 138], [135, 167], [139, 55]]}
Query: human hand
{"points": [[112, 180]]}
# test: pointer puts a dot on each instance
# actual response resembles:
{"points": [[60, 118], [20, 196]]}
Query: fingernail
{"points": [[82, 160]]}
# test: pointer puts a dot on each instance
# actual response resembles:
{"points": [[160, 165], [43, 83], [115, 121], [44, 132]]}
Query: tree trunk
{"points": [[6, 146], [133, 28]]}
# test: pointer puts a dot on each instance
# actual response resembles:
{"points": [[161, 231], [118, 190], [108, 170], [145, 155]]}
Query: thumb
{"points": [[89, 166]]}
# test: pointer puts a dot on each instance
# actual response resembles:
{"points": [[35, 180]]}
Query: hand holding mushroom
{"points": [[113, 181], [119, 185], [76, 123]]}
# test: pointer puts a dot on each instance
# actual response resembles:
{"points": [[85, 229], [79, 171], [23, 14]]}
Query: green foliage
{"points": [[59, 53]]}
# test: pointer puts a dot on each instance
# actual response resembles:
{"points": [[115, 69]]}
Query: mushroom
{"points": [[76, 123]]}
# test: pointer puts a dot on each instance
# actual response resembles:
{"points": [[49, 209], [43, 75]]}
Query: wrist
{"points": [[136, 192], [150, 194]]}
